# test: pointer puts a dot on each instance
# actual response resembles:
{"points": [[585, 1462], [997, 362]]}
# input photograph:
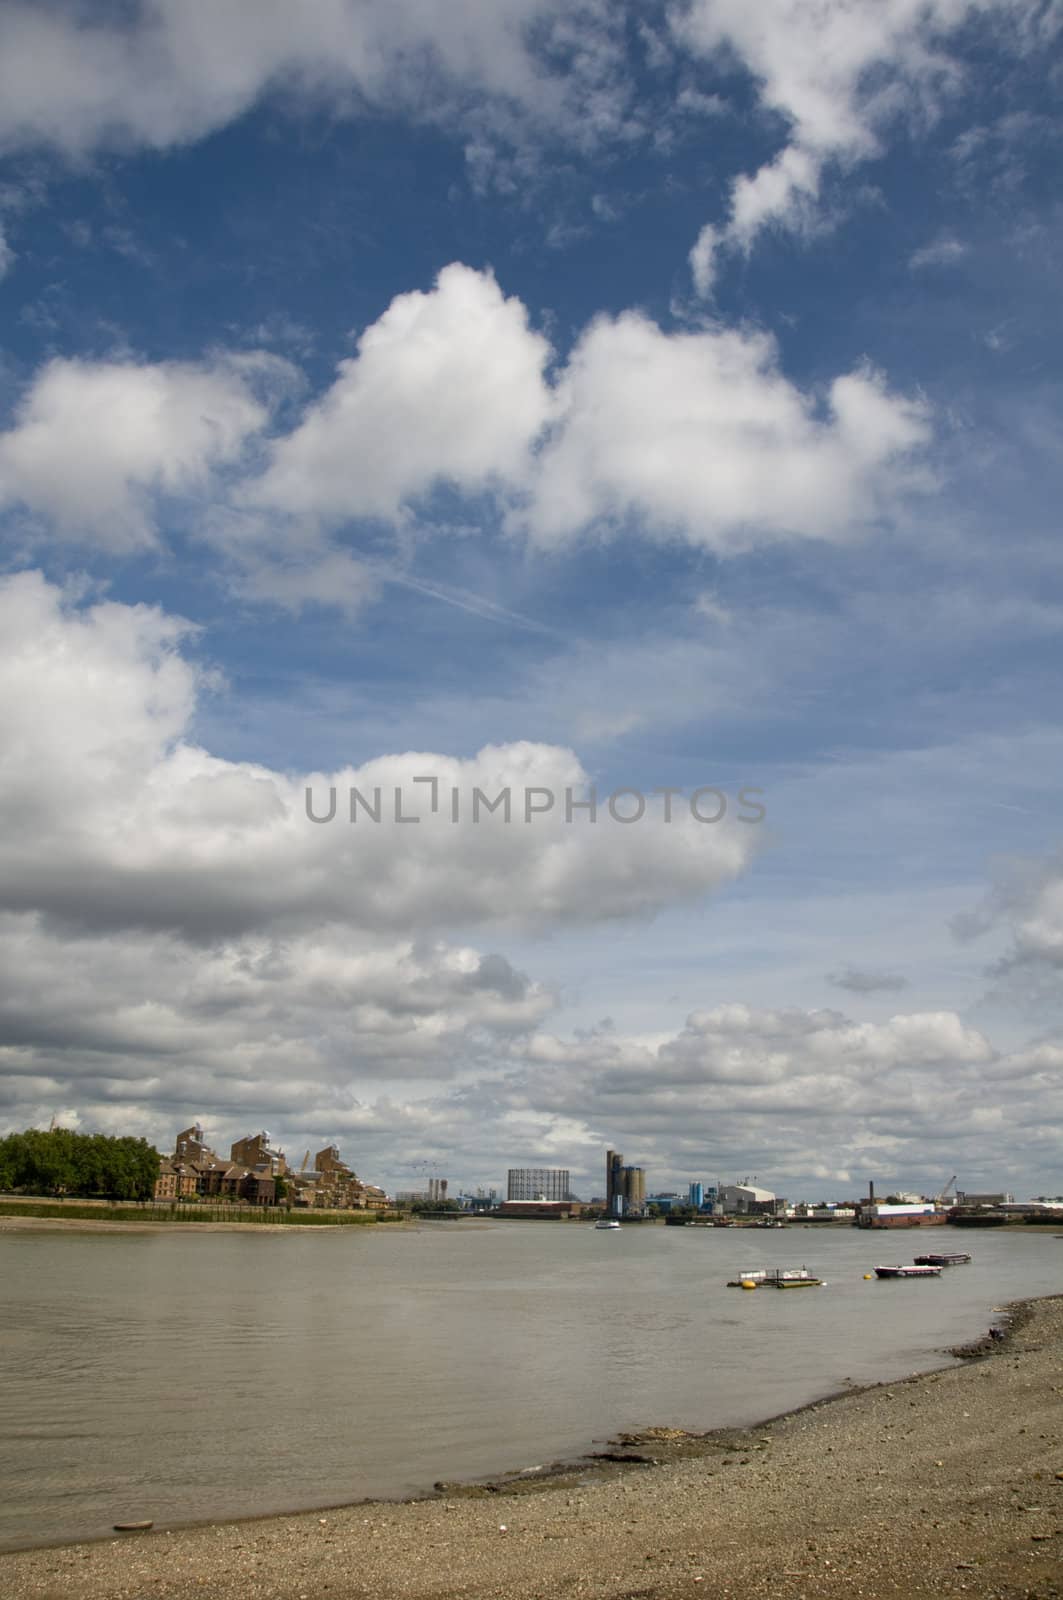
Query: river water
{"points": [[188, 1376]]}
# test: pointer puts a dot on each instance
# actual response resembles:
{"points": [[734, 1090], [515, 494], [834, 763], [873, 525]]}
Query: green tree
{"points": [[63, 1162]]}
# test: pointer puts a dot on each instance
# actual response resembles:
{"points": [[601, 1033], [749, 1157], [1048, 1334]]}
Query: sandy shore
{"points": [[88, 1225], [950, 1483]]}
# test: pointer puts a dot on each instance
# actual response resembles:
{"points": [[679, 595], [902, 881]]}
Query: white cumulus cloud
{"points": [[701, 435], [447, 386], [113, 818], [163, 72], [691, 434], [93, 442]]}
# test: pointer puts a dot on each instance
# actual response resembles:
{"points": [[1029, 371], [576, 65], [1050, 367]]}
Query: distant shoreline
{"points": [[87, 1225], [13, 1219], [19, 1217]]}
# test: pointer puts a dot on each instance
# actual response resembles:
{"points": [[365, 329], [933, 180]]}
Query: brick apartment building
{"points": [[251, 1172]]}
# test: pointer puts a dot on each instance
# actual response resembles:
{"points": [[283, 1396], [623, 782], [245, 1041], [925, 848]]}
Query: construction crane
{"points": [[939, 1199], [306, 1158]]}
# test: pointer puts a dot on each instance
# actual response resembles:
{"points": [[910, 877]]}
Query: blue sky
{"points": [[642, 392]]}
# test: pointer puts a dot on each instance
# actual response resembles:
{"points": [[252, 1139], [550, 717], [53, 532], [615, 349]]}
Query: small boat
{"points": [[607, 1222], [956, 1260], [918, 1271], [754, 1275]]}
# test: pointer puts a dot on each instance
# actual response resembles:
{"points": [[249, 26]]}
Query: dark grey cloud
{"points": [[859, 980]]}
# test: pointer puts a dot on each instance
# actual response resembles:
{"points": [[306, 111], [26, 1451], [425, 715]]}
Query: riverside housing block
{"points": [[251, 1175]]}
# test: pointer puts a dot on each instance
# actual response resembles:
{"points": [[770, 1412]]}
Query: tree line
{"points": [[93, 1165]]}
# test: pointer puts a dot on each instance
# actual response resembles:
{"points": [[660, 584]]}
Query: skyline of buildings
{"points": [[254, 1158]]}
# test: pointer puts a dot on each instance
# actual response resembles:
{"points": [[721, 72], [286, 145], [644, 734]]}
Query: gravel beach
{"points": [[950, 1483]]}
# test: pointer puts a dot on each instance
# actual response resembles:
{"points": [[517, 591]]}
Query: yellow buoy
{"points": [[867, 1275], [747, 1283]]}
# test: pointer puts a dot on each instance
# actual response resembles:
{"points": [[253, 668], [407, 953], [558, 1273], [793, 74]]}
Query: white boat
{"points": [[908, 1272], [607, 1222]]}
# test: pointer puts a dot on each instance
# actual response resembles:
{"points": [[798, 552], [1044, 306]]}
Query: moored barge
{"points": [[776, 1278]]}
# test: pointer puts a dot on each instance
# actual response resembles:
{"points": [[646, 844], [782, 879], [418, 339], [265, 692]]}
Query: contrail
{"points": [[464, 600]]}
